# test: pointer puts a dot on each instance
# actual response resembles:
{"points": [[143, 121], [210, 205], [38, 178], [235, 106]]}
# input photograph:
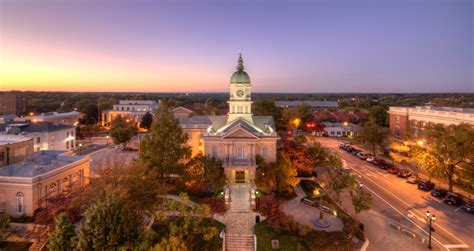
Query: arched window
{"points": [[52, 188], [20, 203]]}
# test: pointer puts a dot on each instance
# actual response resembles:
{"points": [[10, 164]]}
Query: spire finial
{"points": [[240, 63]]}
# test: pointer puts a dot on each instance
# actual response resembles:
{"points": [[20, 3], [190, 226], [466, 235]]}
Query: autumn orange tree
{"points": [[447, 151]]}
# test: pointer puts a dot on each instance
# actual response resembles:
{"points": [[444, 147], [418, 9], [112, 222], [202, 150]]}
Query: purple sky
{"points": [[288, 46]]}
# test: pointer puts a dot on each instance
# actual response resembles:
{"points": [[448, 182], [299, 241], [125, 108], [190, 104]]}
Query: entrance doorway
{"points": [[239, 176]]}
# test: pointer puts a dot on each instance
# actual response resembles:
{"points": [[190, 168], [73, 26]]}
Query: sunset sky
{"points": [[192, 46]]}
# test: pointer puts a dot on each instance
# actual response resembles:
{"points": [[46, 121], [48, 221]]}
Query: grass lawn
{"points": [[315, 240], [265, 235]]}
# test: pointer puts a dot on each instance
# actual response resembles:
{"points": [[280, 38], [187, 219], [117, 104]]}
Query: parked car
{"points": [[370, 159], [393, 170], [404, 173], [439, 192], [454, 199], [469, 207], [412, 179], [363, 155], [425, 185], [342, 145], [355, 151]]}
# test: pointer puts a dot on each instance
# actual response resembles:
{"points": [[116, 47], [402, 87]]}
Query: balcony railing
{"points": [[239, 162]]}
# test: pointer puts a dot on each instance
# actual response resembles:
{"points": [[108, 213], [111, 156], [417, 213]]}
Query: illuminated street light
{"points": [[296, 122], [32, 113], [431, 219], [420, 142], [345, 123]]}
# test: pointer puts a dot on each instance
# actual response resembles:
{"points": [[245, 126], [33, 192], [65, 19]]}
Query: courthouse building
{"points": [[236, 138], [406, 120]]}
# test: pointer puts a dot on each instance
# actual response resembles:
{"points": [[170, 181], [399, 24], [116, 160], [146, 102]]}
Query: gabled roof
{"points": [[37, 126], [181, 108]]}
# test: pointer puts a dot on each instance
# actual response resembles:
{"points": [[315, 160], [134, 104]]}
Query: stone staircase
{"points": [[239, 242], [239, 205]]}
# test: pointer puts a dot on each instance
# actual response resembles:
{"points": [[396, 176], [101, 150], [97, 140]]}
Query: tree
{"points": [[338, 181], [266, 107], [127, 181], [269, 207], [121, 131], [61, 238], [89, 110], [379, 115], [285, 173], [108, 225], [164, 148], [4, 223], [147, 120], [361, 199], [372, 136], [448, 150], [204, 174], [186, 223]]}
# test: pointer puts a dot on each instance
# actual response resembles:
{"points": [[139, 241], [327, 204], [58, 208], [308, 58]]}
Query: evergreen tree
{"points": [[164, 148], [147, 120], [108, 225], [122, 131], [61, 238]]}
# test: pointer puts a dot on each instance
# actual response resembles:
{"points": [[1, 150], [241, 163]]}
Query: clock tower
{"points": [[240, 103]]}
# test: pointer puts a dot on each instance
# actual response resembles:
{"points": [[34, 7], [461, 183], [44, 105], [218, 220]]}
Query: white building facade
{"points": [[132, 110]]}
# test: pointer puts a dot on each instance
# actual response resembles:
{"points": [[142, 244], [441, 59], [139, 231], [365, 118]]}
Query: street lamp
{"points": [[431, 219], [80, 148], [107, 140], [420, 142]]}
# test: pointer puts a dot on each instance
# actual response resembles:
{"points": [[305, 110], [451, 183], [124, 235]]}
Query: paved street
{"points": [[402, 203]]}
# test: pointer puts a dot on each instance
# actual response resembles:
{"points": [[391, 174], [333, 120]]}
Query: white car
{"points": [[363, 155], [370, 159]]}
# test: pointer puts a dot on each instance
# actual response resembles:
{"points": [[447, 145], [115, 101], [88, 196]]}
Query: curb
{"points": [[365, 245]]}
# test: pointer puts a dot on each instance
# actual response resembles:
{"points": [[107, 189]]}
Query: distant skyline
{"points": [[337, 46]]}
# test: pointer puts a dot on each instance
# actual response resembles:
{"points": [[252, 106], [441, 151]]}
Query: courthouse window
{"points": [[20, 204], [214, 151], [265, 152]]}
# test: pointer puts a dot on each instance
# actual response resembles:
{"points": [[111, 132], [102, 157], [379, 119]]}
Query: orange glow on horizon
{"points": [[41, 68]]}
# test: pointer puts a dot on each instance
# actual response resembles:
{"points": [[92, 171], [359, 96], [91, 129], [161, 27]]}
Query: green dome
{"points": [[240, 76]]}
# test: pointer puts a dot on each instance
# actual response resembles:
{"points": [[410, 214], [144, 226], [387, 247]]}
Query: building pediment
{"points": [[239, 132]]}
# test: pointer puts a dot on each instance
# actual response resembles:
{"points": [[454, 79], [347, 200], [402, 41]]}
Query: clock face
{"points": [[240, 93]]}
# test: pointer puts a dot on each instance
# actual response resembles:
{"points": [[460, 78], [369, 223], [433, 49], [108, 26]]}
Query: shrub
{"points": [[217, 205]]}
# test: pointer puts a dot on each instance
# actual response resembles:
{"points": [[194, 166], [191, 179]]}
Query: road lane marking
{"points": [[412, 215], [408, 206], [398, 211], [457, 209], [456, 246]]}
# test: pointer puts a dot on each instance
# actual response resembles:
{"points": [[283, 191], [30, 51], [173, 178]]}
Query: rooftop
{"points": [[11, 139], [36, 126], [308, 103], [38, 163], [446, 109], [57, 114]]}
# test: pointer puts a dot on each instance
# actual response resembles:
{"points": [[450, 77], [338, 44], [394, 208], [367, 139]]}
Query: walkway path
{"points": [[307, 214], [239, 219]]}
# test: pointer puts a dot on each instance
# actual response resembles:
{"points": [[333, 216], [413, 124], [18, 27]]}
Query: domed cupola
{"points": [[240, 76]]}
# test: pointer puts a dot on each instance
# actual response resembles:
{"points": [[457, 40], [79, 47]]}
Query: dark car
{"points": [[425, 185], [404, 173], [439, 192], [355, 151], [454, 199], [469, 207], [393, 170]]}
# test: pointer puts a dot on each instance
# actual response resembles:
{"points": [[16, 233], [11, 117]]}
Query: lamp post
{"points": [[431, 219], [107, 140], [80, 148]]}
